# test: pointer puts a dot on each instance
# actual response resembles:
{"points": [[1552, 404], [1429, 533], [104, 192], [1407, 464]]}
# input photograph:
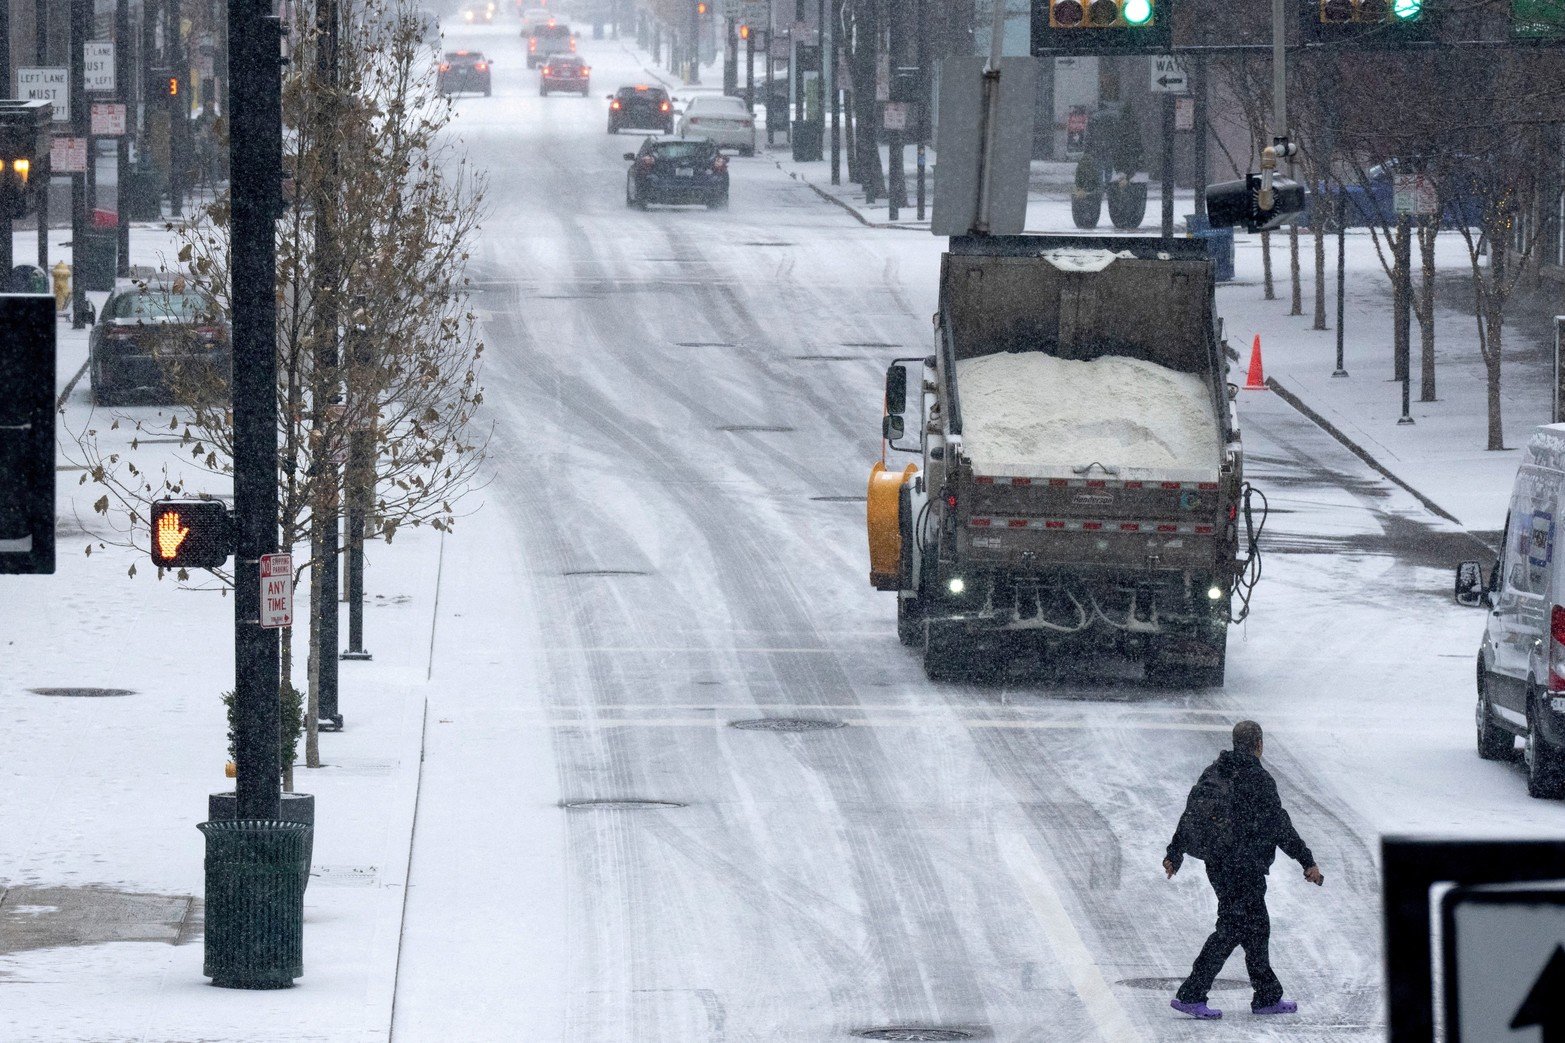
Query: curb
{"points": [[380, 1003]]}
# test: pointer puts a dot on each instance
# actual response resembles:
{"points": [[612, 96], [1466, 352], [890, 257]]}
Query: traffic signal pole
{"points": [[81, 29], [122, 143], [5, 85], [255, 158], [41, 55]]}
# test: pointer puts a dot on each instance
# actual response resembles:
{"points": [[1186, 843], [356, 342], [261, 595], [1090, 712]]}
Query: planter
{"points": [[1127, 203], [1086, 208]]}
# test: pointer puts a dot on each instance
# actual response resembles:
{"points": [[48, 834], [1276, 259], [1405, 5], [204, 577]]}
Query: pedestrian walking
{"points": [[1234, 821]]}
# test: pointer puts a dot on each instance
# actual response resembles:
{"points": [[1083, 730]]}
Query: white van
{"points": [[1521, 664]]}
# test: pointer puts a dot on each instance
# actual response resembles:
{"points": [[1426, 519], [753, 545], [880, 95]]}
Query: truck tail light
{"points": [[663, 107], [614, 104]]}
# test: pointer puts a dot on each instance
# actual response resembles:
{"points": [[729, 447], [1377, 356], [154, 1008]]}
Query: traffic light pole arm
{"points": [[991, 120], [1281, 147]]}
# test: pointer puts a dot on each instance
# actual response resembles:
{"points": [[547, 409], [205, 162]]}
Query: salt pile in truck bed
{"points": [[1024, 412]]}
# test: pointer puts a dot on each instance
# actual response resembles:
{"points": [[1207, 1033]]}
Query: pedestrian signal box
{"points": [[27, 434], [191, 534]]}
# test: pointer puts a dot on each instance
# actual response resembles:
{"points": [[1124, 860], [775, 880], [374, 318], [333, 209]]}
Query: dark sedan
{"points": [[641, 107], [464, 72], [564, 72], [677, 170], [160, 343]]}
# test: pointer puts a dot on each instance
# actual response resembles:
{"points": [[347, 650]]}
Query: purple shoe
{"points": [[1195, 1010], [1280, 1007]]}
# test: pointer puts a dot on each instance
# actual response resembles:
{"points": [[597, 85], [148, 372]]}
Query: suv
{"points": [[1521, 661], [547, 40], [463, 71], [677, 170], [564, 72], [641, 107]]}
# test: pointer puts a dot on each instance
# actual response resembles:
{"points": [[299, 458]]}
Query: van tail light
{"points": [[1557, 648], [482, 66], [614, 104], [548, 71]]}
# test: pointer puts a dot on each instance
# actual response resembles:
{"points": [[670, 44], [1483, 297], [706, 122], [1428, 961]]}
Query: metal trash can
{"points": [[95, 258], [141, 194], [255, 873], [27, 278], [294, 807], [807, 137], [1219, 245]]}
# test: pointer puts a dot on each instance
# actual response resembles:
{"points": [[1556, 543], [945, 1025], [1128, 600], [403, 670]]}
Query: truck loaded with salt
{"points": [[1080, 485]]}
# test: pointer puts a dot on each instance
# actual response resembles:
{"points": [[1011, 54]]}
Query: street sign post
{"points": [[99, 58], [1503, 962], [276, 591], [1168, 76], [52, 84], [961, 105]]}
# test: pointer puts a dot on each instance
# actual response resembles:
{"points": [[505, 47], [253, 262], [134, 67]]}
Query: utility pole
{"points": [[694, 50], [326, 393], [6, 260], [122, 144], [178, 110], [1402, 300], [835, 93], [922, 113], [749, 68], [896, 187], [81, 28], [41, 55], [360, 477], [1167, 188], [255, 159], [730, 57]]}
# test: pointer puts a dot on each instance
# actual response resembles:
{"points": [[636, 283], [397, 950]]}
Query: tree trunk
{"points": [[312, 698], [1425, 306], [1296, 304], [1266, 266], [1492, 367], [1320, 275]]}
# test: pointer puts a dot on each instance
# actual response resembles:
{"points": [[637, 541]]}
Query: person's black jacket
{"points": [[1261, 823]]}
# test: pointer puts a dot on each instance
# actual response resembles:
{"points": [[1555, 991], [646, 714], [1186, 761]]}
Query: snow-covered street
{"points": [[671, 553]]}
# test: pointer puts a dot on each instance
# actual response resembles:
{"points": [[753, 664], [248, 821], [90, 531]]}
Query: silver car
{"points": [[720, 119]]}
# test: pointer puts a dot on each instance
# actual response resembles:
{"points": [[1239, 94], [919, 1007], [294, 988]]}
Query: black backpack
{"points": [[1208, 823]]}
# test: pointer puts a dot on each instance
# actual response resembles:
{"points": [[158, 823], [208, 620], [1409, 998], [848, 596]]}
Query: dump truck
{"points": [[1079, 484]]}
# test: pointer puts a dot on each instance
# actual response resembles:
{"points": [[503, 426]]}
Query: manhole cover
{"points": [[619, 805], [837, 499], [913, 1034], [603, 572], [786, 724], [757, 429], [83, 693], [1172, 984]]}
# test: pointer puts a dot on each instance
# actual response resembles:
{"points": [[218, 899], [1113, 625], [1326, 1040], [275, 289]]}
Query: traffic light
{"points": [[23, 154], [191, 534], [171, 87], [1238, 204], [1369, 23], [1101, 26], [27, 355], [701, 7], [744, 31]]}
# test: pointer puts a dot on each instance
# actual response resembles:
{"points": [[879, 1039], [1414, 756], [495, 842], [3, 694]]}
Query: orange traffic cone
{"points": [[1256, 381]]}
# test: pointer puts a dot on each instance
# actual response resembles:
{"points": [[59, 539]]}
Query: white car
{"points": [[721, 119]]}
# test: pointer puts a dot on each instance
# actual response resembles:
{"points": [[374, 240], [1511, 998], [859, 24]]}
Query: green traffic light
{"points": [[1139, 12], [1406, 10]]}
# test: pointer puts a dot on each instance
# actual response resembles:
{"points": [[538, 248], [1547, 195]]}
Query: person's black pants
{"points": [[1242, 921]]}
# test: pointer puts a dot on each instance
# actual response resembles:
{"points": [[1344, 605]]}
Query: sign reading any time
{"points": [[67, 155], [276, 591], [47, 84], [108, 119]]}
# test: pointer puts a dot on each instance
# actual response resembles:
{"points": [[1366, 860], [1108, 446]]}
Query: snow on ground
{"points": [[1032, 410]]}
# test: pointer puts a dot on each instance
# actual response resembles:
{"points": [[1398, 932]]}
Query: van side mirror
{"points": [[892, 428], [896, 390], [1471, 591]]}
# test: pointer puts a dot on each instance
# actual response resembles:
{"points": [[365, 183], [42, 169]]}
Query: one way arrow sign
{"points": [[1168, 76], [1544, 1006], [1505, 963]]}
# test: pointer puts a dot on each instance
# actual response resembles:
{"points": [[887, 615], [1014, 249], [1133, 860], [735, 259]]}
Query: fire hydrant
{"points": [[61, 273]]}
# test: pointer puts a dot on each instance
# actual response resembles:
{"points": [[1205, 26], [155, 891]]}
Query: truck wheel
{"points": [[1544, 775], [1494, 742], [944, 656]]}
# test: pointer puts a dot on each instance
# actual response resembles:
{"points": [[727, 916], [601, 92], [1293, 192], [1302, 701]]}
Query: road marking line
{"points": [[1113, 1024], [70, 386]]}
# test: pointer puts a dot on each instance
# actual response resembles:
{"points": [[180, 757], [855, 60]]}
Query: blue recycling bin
{"points": [[1219, 245]]}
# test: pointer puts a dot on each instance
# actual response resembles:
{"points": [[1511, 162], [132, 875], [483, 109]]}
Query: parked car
{"points": [[547, 40], [1521, 660], [153, 340], [1372, 201], [463, 72], [720, 119], [565, 72], [641, 107], [677, 170]]}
